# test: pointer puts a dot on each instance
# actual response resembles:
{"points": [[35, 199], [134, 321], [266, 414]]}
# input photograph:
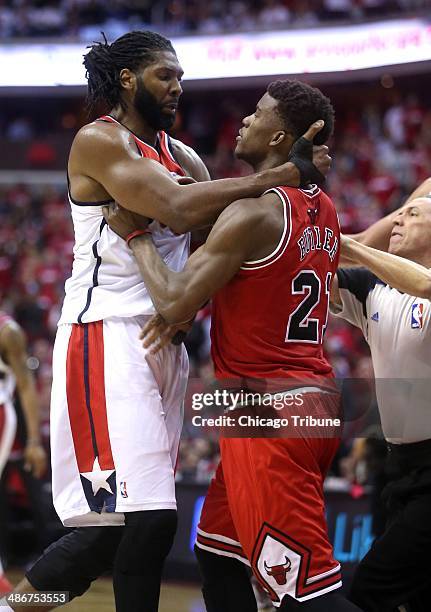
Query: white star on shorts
{"points": [[98, 478]]}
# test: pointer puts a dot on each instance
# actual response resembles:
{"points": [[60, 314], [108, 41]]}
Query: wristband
{"points": [[135, 234], [301, 154]]}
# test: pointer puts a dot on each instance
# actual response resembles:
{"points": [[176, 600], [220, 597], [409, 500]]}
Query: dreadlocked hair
{"points": [[300, 105], [104, 62]]}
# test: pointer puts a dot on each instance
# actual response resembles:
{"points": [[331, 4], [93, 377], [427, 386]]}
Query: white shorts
{"points": [[116, 418], [7, 432]]}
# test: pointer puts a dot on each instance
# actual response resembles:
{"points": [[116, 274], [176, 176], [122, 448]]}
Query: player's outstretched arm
{"points": [[402, 274], [178, 295], [378, 234], [144, 186], [14, 347]]}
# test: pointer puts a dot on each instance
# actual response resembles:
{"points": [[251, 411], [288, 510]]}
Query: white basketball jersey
{"points": [[105, 280], [7, 378]]}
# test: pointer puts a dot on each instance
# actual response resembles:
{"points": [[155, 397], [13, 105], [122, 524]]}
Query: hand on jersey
{"points": [[156, 333], [35, 460], [312, 161], [122, 221]]}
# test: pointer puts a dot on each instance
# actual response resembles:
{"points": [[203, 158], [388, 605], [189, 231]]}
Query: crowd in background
{"points": [[84, 19], [379, 156]]}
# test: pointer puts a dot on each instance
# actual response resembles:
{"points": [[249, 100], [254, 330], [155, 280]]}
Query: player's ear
{"points": [[128, 79], [278, 138]]}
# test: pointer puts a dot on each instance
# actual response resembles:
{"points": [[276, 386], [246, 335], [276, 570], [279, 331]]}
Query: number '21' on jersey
{"points": [[270, 319]]}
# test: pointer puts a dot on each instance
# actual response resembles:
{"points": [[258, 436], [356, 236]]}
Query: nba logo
{"points": [[417, 314], [123, 489]]}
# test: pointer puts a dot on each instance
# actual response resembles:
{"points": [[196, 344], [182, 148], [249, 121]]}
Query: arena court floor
{"points": [[100, 598]]}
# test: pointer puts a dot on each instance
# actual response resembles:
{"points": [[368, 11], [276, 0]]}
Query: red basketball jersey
{"points": [[162, 154], [269, 320]]}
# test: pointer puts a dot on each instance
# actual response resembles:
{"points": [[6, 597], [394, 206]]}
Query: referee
{"points": [[389, 300]]}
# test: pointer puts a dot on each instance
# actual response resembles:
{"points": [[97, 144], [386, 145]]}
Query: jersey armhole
{"points": [[359, 282], [166, 145], [285, 236]]}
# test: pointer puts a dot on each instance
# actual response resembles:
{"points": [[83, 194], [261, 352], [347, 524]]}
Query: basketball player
{"points": [[14, 372], [116, 412], [270, 303], [390, 303]]}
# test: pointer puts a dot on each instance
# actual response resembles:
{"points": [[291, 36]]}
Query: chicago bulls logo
{"points": [[279, 572], [312, 213]]}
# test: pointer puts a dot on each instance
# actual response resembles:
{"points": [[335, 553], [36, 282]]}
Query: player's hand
{"points": [[35, 459], [313, 162], [122, 221], [156, 333], [322, 161]]}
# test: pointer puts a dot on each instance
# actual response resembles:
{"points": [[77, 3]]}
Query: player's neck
{"points": [[272, 160], [133, 121]]}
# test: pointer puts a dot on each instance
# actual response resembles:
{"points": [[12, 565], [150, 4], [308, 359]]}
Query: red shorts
{"points": [[265, 507]]}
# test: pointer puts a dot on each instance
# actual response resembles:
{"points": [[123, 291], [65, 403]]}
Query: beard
{"points": [[150, 110]]}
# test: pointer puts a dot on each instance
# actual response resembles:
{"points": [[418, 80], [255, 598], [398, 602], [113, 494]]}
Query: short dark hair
{"points": [[300, 105], [104, 63]]}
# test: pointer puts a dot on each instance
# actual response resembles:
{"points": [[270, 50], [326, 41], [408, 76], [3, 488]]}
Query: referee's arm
{"points": [[349, 296], [400, 273]]}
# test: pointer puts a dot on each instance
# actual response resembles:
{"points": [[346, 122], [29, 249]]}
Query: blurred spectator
{"points": [[41, 154], [210, 18], [20, 130], [273, 14], [240, 17], [46, 18], [198, 459], [413, 117], [337, 9], [394, 122], [85, 18], [364, 465], [303, 14]]}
